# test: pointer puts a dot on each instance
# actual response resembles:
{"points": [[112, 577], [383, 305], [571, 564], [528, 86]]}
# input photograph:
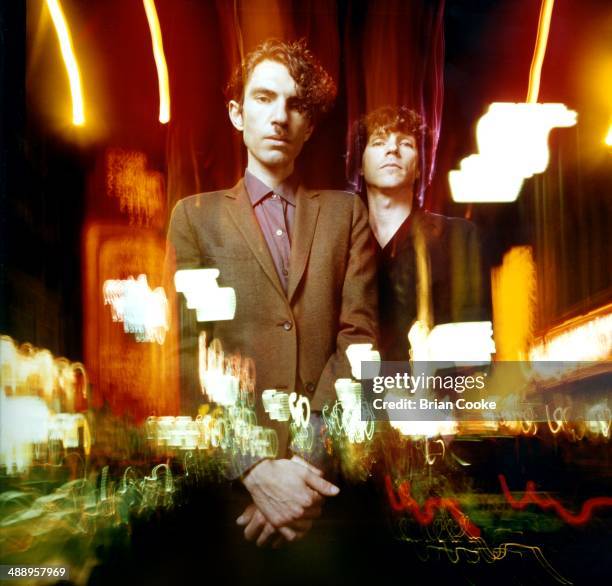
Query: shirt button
{"points": [[285, 272], [274, 196], [310, 388], [279, 232], [287, 325]]}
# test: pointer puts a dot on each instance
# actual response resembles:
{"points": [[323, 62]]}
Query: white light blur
{"points": [[143, 312], [468, 342], [512, 146], [358, 353], [211, 302]]}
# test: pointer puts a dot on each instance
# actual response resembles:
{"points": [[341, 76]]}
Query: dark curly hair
{"points": [[316, 88], [383, 120]]}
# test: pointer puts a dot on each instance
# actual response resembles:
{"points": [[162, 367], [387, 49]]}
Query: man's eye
{"points": [[377, 143], [262, 99], [407, 143]]}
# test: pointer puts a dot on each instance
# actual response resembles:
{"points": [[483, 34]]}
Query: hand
{"points": [[258, 529], [285, 491]]}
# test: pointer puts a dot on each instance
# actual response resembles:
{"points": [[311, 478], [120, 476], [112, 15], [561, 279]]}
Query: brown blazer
{"points": [[297, 340]]}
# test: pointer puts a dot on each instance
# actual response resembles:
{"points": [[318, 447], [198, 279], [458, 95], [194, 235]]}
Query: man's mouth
{"points": [[279, 139], [390, 166]]}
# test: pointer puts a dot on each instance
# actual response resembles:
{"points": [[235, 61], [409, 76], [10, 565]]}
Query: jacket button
{"points": [[287, 325], [310, 388]]}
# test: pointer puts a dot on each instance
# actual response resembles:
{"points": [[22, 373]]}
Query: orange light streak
{"points": [[74, 77], [425, 515], [535, 72], [608, 139], [531, 497], [160, 61]]}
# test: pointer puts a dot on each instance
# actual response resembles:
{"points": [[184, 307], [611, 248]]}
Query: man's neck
{"points": [[270, 176], [388, 210]]}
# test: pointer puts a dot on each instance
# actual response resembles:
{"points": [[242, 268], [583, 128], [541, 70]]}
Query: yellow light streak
{"points": [[587, 338], [535, 71], [512, 138], [65, 41], [160, 61], [608, 139]]}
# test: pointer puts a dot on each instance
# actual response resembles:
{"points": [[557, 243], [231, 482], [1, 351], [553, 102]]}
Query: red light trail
{"points": [[531, 497], [425, 515]]}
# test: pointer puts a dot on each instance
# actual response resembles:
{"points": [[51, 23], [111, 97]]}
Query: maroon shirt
{"points": [[275, 213]]}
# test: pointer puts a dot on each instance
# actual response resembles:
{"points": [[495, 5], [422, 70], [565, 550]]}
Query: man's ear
{"points": [[309, 131], [234, 109]]}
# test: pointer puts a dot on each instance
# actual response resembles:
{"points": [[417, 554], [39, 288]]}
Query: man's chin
{"points": [[277, 159]]}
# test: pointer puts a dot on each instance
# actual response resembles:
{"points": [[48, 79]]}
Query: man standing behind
{"points": [[429, 265], [300, 261]]}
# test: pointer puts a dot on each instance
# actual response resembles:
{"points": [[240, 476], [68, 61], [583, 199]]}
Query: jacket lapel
{"points": [[240, 209], [306, 214]]}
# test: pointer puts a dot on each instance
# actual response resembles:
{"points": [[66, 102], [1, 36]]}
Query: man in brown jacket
{"points": [[301, 262]]}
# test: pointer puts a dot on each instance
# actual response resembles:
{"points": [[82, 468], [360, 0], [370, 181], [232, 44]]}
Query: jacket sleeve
{"points": [[182, 252], [358, 320]]}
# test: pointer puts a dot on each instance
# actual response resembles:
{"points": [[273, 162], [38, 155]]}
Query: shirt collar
{"points": [[258, 190]]}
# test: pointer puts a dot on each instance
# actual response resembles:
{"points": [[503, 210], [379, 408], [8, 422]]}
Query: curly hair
{"points": [[382, 120], [316, 89]]}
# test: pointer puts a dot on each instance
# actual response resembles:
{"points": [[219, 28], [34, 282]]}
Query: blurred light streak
{"points": [[211, 302], [469, 342], [140, 191], [425, 515], [608, 139], [143, 311], [531, 497], [72, 68], [160, 61], [30, 371], [512, 145], [499, 552], [419, 429], [358, 353], [512, 138], [535, 71], [348, 412], [585, 338], [514, 294]]}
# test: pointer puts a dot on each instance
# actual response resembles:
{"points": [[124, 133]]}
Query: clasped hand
{"points": [[287, 497]]}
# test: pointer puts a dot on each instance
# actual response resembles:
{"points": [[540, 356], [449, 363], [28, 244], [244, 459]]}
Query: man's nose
{"points": [[280, 113], [391, 146]]}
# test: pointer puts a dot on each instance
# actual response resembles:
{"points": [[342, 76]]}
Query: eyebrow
{"points": [[262, 90], [385, 133]]}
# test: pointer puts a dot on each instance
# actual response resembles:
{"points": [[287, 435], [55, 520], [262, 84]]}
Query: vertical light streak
{"points": [[608, 139], [535, 71], [160, 61], [65, 41]]}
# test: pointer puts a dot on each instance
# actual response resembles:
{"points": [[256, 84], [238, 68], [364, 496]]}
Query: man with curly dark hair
{"points": [[301, 262], [429, 264]]}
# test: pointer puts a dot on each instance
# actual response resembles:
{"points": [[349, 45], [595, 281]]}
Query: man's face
{"points": [[390, 160], [273, 128]]}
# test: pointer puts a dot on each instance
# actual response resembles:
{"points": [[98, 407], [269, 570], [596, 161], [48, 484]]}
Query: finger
{"points": [[288, 533], [265, 535], [255, 526], [321, 485], [307, 464], [247, 515]]}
